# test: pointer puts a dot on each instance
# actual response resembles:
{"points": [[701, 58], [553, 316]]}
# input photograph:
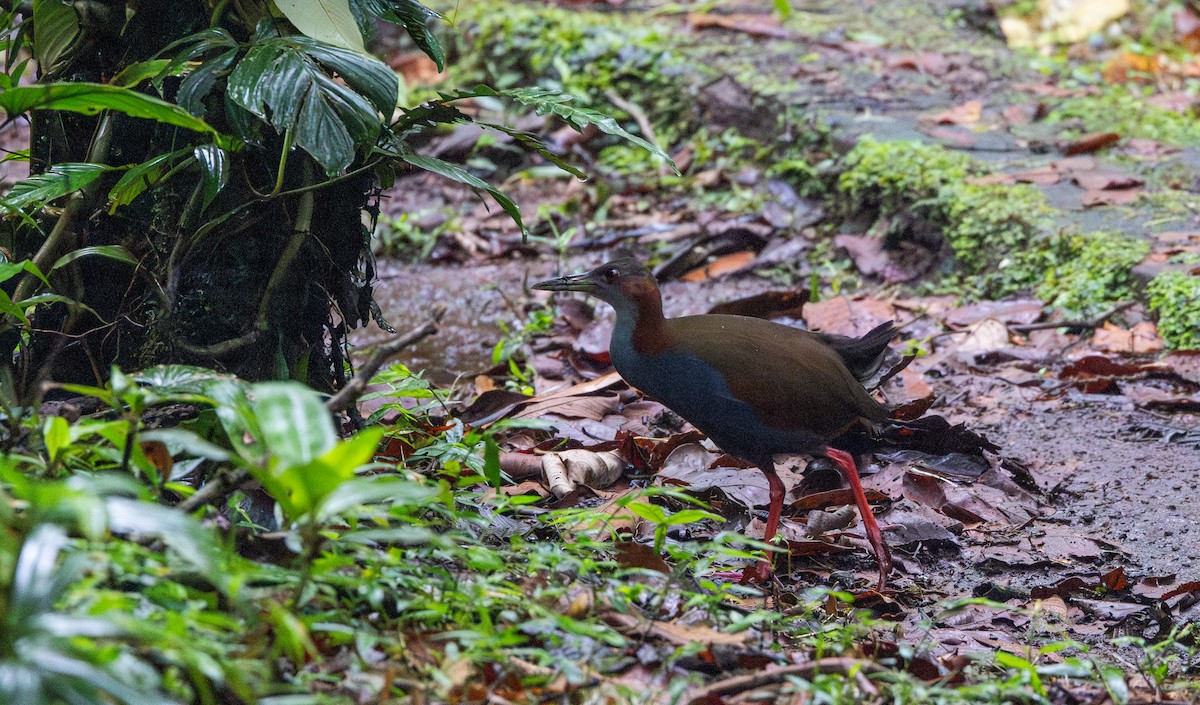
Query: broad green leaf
{"points": [[393, 536], [214, 165], [179, 531], [56, 433], [139, 178], [180, 440], [415, 19], [114, 252], [327, 486], [60, 180], [92, 98], [326, 20], [199, 83], [365, 74], [57, 29], [295, 425], [687, 516], [461, 175], [135, 73], [8, 308], [491, 461], [8, 270], [281, 81]]}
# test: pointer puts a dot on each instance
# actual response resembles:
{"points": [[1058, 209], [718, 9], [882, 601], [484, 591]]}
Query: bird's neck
{"points": [[640, 323]]}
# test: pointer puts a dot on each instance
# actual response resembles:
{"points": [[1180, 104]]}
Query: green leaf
{"points": [[545, 101], [179, 531], [135, 73], [461, 175], [280, 81], [92, 98], [326, 20], [139, 178], [295, 425], [199, 83], [8, 270], [687, 516], [214, 165], [114, 252], [491, 461], [415, 18], [60, 180], [56, 433], [57, 29], [533, 143]]}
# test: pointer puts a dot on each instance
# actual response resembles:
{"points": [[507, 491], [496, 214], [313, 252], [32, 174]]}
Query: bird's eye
{"points": [[611, 275]]}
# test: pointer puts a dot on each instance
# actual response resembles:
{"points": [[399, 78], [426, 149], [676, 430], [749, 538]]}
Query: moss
{"points": [[584, 54], [997, 234], [993, 230], [1175, 297], [1123, 109], [891, 175], [1095, 271]]}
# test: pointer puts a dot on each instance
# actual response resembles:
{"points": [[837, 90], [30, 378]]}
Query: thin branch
{"points": [[1091, 323], [362, 377], [214, 489], [775, 676], [635, 111]]}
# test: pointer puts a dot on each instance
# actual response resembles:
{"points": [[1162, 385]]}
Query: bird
{"points": [[756, 388]]}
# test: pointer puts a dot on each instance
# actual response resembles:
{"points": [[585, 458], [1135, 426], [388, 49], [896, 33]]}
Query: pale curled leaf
{"points": [[326, 20]]}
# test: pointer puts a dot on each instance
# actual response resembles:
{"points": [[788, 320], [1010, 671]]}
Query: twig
{"points": [[214, 488], [358, 384], [774, 676], [635, 112], [1093, 323]]}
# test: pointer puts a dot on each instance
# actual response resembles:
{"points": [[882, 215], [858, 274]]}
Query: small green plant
{"points": [[1094, 270], [889, 176], [1175, 298], [401, 236]]}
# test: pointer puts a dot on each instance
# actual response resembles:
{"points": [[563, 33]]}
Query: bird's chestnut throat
{"points": [[649, 330]]}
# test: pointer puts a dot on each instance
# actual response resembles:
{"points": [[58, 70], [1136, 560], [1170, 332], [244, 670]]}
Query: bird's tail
{"points": [[864, 356]]}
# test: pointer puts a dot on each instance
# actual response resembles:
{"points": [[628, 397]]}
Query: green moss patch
{"points": [[995, 231], [1094, 270], [1124, 110], [1175, 297]]}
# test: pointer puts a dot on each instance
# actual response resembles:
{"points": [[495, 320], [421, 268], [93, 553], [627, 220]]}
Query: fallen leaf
{"points": [[765, 25], [967, 113], [769, 304], [844, 316], [1092, 142], [984, 335], [720, 267], [866, 251], [1013, 311], [1142, 338]]}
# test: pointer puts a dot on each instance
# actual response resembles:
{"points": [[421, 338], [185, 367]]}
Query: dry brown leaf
{"points": [[844, 316], [1142, 338], [1089, 143], [967, 113], [720, 267]]}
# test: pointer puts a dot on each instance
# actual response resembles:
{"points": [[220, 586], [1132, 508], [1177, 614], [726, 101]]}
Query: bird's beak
{"points": [[574, 282]]}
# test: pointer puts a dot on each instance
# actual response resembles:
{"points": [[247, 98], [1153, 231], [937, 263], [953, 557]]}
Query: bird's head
{"points": [[625, 284]]}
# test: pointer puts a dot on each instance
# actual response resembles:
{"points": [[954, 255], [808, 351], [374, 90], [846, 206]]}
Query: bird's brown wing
{"points": [[789, 376]]}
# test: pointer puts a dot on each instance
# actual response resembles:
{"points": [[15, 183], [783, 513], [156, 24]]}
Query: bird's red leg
{"points": [[846, 462], [762, 571]]}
